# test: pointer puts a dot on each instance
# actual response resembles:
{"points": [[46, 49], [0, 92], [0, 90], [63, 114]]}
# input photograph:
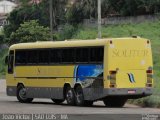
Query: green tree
{"points": [[131, 7], [38, 12], [89, 8], [1, 36], [25, 13], [75, 14], [59, 11], [29, 32]]}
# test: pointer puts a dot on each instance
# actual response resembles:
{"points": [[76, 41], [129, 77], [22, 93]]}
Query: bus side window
{"points": [[10, 62], [96, 55], [82, 55], [32, 56]]}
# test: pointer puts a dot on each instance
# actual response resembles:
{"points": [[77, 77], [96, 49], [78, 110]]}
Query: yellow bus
{"points": [[111, 70]]}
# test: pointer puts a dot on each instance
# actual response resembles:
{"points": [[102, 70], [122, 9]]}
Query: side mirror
{"points": [[6, 60]]}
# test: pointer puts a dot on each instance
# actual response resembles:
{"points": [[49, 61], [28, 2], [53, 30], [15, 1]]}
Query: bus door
{"points": [[10, 71], [11, 62]]}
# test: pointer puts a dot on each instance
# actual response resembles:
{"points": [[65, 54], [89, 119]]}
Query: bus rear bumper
{"points": [[129, 93]]}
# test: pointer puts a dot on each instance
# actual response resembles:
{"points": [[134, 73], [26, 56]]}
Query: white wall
{"points": [[6, 6]]}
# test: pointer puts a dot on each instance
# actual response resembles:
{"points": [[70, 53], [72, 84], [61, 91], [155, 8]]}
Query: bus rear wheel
{"points": [[57, 101], [70, 96], [114, 102], [21, 95]]}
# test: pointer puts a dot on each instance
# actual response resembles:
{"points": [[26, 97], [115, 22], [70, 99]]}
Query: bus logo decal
{"points": [[131, 77]]}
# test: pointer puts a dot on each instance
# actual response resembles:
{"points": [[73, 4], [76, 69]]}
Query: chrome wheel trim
{"points": [[69, 96], [79, 96], [22, 93]]}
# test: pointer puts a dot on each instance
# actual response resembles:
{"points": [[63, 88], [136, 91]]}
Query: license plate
{"points": [[131, 91]]}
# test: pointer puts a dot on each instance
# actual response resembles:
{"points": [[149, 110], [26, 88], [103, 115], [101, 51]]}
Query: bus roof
{"points": [[66, 43]]}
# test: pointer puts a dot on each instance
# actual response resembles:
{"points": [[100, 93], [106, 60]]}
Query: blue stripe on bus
{"points": [[131, 77], [75, 73], [90, 70]]}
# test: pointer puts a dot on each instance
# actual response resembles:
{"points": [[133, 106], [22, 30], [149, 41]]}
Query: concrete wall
{"points": [[6, 6], [122, 20]]}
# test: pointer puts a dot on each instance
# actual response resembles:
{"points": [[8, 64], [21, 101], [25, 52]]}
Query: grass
{"points": [[149, 30]]}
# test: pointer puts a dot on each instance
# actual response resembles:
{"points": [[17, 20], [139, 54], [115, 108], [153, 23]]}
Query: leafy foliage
{"points": [[66, 33], [3, 53], [29, 32], [38, 12], [1, 36], [19, 16], [66, 13]]}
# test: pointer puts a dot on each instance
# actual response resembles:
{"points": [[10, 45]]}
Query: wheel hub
{"points": [[22, 93], [69, 96]]}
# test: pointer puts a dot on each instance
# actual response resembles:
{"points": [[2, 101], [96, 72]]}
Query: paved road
{"points": [[46, 106], [2, 85]]}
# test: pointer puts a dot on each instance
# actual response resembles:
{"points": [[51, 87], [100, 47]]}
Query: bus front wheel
{"points": [[114, 102], [21, 95], [70, 96]]}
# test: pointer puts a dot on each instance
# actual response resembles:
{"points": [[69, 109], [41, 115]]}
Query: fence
{"points": [[122, 20]]}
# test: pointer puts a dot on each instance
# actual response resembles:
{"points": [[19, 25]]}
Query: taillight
{"points": [[112, 78], [112, 85], [148, 85], [149, 77], [149, 71], [112, 72]]}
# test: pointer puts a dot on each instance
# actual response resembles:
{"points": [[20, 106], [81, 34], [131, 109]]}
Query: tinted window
{"points": [[32, 57], [82, 55], [68, 55], [56, 56], [96, 54], [43, 56], [21, 57]]}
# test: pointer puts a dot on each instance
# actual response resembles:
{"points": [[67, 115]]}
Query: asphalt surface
{"points": [[48, 110]]}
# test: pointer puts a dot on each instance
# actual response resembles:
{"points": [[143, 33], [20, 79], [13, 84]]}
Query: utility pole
{"points": [[99, 19], [51, 19]]}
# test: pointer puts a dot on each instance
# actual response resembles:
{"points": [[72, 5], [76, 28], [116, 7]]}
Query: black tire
{"points": [[70, 96], [21, 95], [57, 101], [79, 96], [88, 103], [114, 102]]}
